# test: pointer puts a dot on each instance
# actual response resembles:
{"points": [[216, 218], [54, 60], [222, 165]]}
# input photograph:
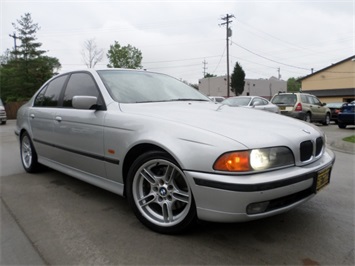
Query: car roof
{"points": [[283, 93]]}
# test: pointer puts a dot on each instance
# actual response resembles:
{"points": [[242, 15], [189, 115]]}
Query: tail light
{"points": [[298, 107]]}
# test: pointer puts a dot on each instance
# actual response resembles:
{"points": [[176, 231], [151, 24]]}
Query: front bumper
{"points": [[229, 198]]}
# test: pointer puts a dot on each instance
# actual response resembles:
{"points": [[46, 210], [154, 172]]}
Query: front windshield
{"points": [[127, 86], [237, 101]]}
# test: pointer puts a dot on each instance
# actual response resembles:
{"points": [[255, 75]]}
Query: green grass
{"points": [[350, 139]]}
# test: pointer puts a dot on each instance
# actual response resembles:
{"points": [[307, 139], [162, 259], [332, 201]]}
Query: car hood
{"points": [[250, 127]]}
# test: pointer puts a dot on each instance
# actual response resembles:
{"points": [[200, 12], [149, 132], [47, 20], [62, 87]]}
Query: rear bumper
{"points": [[348, 119], [298, 115], [223, 198]]}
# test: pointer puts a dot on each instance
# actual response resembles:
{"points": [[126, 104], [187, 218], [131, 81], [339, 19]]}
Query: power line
{"points": [[177, 60], [269, 58], [219, 61]]}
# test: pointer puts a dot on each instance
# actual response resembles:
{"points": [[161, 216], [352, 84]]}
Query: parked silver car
{"points": [[252, 102], [172, 152], [302, 106], [217, 99]]}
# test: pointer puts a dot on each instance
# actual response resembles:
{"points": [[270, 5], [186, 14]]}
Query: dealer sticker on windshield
{"points": [[323, 177]]}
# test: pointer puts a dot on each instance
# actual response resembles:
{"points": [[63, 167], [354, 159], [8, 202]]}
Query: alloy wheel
{"points": [[161, 193]]}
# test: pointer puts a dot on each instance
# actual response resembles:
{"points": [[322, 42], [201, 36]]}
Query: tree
{"points": [[208, 75], [195, 86], [124, 57], [6, 57], [238, 79], [91, 54], [26, 68], [28, 49], [293, 85]]}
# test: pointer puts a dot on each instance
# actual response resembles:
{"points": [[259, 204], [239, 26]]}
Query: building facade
{"points": [[217, 86], [335, 83]]}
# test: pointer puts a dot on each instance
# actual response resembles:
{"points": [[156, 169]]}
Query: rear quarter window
{"points": [[49, 95]]}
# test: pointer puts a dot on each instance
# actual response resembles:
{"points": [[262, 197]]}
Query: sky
{"points": [[185, 39]]}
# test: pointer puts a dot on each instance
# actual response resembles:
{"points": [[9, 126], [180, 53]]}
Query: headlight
{"points": [[255, 160]]}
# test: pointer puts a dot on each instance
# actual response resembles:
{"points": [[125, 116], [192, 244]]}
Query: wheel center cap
{"points": [[163, 191]]}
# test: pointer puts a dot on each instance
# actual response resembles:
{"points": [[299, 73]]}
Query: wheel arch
{"points": [[133, 153], [23, 131], [308, 113]]}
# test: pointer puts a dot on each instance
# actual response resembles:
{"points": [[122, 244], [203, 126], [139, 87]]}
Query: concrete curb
{"points": [[342, 146]]}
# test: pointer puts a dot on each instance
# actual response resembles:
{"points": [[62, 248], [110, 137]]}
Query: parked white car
{"points": [[3, 117], [252, 102], [173, 153]]}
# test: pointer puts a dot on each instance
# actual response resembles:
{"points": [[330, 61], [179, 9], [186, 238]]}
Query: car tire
{"points": [[341, 125], [326, 121], [308, 118], [159, 193], [28, 154]]}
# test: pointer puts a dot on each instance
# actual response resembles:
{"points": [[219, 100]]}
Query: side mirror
{"points": [[257, 103], [84, 102]]}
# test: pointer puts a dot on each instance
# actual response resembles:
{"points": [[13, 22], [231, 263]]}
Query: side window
{"points": [[316, 101], [257, 102], [49, 96], [80, 84], [265, 102], [304, 99], [40, 98]]}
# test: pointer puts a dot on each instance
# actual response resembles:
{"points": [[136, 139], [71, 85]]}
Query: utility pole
{"points": [[204, 67], [228, 34], [15, 38]]}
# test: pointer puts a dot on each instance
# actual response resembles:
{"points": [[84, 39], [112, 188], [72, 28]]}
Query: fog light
{"points": [[256, 208]]}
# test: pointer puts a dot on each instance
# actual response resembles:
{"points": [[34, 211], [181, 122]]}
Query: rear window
{"points": [[334, 105], [290, 99], [348, 109]]}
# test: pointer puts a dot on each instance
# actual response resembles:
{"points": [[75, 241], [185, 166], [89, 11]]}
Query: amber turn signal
{"points": [[233, 162]]}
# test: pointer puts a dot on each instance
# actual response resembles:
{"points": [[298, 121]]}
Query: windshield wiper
{"points": [[173, 100], [187, 99]]}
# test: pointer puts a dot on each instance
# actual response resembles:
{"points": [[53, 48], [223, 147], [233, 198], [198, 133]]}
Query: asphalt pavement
{"points": [[16, 246]]}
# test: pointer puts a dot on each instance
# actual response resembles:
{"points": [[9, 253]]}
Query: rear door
{"points": [[318, 111], [41, 117]]}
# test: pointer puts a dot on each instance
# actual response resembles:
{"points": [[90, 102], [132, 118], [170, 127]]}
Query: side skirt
{"points": [[95, 180]]}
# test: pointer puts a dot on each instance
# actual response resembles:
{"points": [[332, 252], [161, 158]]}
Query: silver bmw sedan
{"points": [[176, 155]]}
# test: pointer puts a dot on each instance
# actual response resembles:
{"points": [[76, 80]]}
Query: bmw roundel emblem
{"points": [[162, 191]]}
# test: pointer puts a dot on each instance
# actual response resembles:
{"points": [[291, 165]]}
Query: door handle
{"points": [[32, 116], [58, 118]]}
